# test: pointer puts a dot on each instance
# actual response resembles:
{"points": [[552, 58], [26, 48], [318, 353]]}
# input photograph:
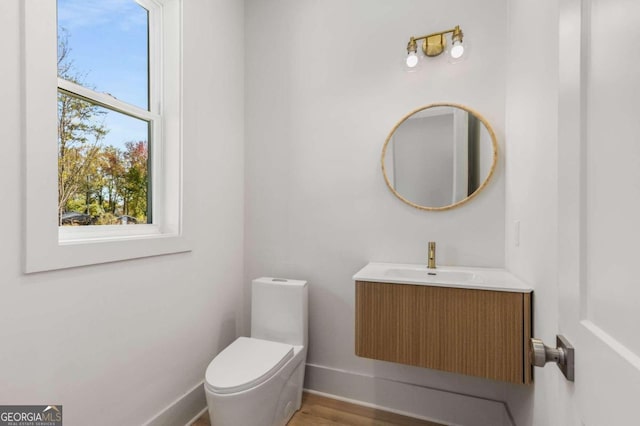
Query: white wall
{"points": [[118, 343], [324, 86], [532, 185]]}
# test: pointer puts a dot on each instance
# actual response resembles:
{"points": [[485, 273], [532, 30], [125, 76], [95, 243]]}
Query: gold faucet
{"points": [[431, 260]]}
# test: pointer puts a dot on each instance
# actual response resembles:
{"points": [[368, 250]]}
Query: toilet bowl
{"points": [[257, 380]]}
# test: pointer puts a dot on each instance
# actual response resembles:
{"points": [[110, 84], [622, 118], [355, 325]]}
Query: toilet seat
{"points": [[246, 363]]}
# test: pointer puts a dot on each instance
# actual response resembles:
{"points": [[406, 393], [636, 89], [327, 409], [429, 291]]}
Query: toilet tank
{"points": [[279, 310]]}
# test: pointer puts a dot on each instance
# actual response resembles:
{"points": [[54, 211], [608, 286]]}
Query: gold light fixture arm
{"points": [[434, 43], [412, 46], [453, 30]]}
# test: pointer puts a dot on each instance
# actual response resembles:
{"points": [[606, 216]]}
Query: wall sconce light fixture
{"points": [[434, 44]]}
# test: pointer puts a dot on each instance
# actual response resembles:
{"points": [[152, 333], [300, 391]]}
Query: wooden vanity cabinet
{"points": [[481, 333]]}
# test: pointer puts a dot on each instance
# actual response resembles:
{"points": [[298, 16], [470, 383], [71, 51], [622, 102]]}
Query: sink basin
{"points": [[435, 275], [442, 276]]}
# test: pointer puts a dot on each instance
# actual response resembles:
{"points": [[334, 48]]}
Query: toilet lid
{"points": [[246, 363]]}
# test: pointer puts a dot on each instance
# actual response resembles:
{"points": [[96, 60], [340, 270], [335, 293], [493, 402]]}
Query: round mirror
{"points": [[439, 156]]}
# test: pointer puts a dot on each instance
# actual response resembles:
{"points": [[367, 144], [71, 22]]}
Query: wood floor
{"points": [[320, 411]]}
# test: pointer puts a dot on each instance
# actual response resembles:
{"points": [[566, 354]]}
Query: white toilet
{"points": [[257, 380]]}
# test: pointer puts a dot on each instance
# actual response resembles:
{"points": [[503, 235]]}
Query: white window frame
{"points": [[49, 246]]}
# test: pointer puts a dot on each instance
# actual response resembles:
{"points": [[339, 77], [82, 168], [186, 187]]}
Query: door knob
{"points": [[563, 355]]}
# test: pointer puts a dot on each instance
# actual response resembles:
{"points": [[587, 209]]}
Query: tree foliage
{"points": [[102, 181]]}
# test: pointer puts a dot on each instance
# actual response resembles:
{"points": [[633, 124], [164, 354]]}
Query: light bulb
{"points": [[412, 59], [457, 49]]}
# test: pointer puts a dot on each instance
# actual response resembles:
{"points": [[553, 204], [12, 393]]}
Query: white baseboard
{"points": [[406, 398], [184, 410], [402, 398], [197, 416]]}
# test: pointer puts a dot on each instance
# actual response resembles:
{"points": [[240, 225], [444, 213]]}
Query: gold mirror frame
{"points": [[494, 161]]}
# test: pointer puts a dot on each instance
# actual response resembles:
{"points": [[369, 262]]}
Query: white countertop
{"points": [[495, 279]]}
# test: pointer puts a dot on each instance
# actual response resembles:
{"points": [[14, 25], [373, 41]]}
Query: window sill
{"points": [[71, 253], [97, 234]]}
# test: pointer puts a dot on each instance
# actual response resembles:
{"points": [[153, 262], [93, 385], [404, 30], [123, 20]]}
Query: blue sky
{"points": [[108, 47]]}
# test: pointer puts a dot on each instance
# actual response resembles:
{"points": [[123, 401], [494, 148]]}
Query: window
{"points": [[111, 92], [109, 113]]}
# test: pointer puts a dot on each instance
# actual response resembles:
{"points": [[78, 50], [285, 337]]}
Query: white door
{"points": [[599, 208]]}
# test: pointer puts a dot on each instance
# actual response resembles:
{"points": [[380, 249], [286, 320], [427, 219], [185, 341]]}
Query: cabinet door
{"points": [[475, 332]]}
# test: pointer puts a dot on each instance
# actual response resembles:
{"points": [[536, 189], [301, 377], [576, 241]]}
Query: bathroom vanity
{"points": [[474, 321]]}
